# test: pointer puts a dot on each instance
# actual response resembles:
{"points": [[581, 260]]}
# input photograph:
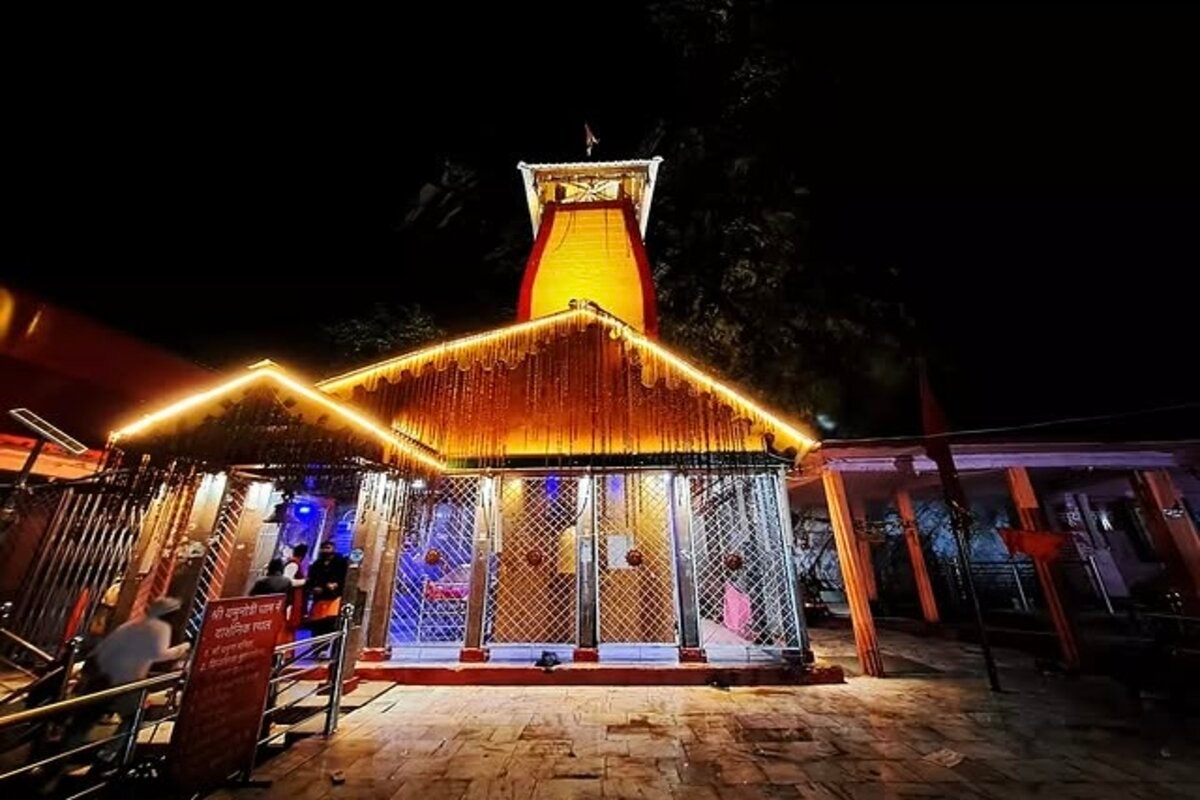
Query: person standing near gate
{"points": [[294, 571], [326, 583], [274, 582]]}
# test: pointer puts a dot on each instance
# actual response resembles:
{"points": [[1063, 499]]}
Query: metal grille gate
{"points": [[534, 594], [637, 577], [538, 531], [744, 585], [433, 567], [86, 547]]}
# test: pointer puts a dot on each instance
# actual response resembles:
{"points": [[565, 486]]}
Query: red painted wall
{"points": [[81, 375]]}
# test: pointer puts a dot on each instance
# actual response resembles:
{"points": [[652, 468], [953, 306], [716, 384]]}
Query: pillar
{"points": [[379, 617], [865, 639], [691, 648], [587, 635], [1032, 519], [204, 577], [378, 493], [795, 605], [487, 516], [916, 555], [242, 572], [1173, 532]]}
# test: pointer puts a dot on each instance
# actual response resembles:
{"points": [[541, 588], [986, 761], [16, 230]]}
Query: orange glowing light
{"points": [[266, 370], [657, 363], [595, 251]]}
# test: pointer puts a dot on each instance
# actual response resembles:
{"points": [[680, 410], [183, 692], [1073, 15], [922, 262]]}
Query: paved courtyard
{"points": [[1046, 736]]}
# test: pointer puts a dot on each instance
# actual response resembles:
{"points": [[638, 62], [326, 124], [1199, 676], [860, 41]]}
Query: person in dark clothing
{"points": [[326, 584], [274, 582]]}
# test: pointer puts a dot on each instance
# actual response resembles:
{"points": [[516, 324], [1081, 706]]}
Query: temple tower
{"points": [[589, 220]]}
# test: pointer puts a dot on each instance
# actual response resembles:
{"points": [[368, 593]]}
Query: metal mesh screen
{"points": [[637, 583], [740, 557], [433, 566], [533, 600]]}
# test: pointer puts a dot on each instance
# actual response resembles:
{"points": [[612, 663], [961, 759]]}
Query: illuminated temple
{"points": [[563, 483]]}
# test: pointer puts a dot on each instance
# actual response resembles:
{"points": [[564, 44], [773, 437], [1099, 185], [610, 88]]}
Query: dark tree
{"points": [[385, 331], [742, 288]]}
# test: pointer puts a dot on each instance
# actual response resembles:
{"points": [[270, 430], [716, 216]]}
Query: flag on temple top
{"points": [[589, 139]]}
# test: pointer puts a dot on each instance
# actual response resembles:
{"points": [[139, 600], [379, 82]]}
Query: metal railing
{"points": [[46, 672], [55, 711], [1013, 585], [288, 672]]}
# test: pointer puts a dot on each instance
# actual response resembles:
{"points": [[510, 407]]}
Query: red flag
{"points": [[933, 419], [589, 139]]}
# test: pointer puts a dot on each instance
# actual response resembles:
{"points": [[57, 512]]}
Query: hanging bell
{"points": [[734, 562], [634, 558], [433, 557]]}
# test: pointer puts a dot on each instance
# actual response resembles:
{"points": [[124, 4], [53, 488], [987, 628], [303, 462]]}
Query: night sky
{"points": [[1032, 173]]}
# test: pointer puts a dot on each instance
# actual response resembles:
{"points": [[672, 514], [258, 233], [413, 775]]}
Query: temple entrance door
{"points": [[433, 570], [533, 594], [636, 569]]}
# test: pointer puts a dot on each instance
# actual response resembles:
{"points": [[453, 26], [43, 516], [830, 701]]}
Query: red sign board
{"points": [[220, 715]]}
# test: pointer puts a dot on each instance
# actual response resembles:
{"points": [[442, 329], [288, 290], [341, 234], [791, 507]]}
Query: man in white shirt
{"points": [[124, 656], [293, 569], [127, 654]]}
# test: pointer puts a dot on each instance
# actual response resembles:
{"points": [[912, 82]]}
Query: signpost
{"points": [[220, 715]]}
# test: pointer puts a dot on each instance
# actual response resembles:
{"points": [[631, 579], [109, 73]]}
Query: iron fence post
{"points": [[130, 745], [336, 666], [72, 653]]}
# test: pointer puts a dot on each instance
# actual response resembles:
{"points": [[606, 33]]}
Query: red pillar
{"points": [[1173, 532], [865, 639], [1031, 517], [912, 538]]}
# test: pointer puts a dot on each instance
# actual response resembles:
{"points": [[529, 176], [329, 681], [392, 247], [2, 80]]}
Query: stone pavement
{"points": [[1050, 737]]}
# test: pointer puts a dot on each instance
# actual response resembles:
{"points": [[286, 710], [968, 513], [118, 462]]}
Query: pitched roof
{"points": [[278, 416], [573, 383]]}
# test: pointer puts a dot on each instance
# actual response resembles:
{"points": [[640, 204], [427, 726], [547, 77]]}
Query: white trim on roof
{"points": [[529, 172]]}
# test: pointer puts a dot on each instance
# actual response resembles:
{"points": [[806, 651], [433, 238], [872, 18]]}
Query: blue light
{"points": [[552, 486], [303, 509]]}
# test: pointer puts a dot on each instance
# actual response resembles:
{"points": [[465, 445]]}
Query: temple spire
{"points": [[589, 222]]}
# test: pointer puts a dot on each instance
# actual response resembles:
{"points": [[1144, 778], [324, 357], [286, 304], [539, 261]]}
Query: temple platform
{"points": [[627, 667], [409, 673]]}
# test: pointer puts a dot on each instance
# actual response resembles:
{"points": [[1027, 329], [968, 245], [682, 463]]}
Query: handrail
{"points": [[310, 641], [32, 648], [63, 706], [334, 662]]}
